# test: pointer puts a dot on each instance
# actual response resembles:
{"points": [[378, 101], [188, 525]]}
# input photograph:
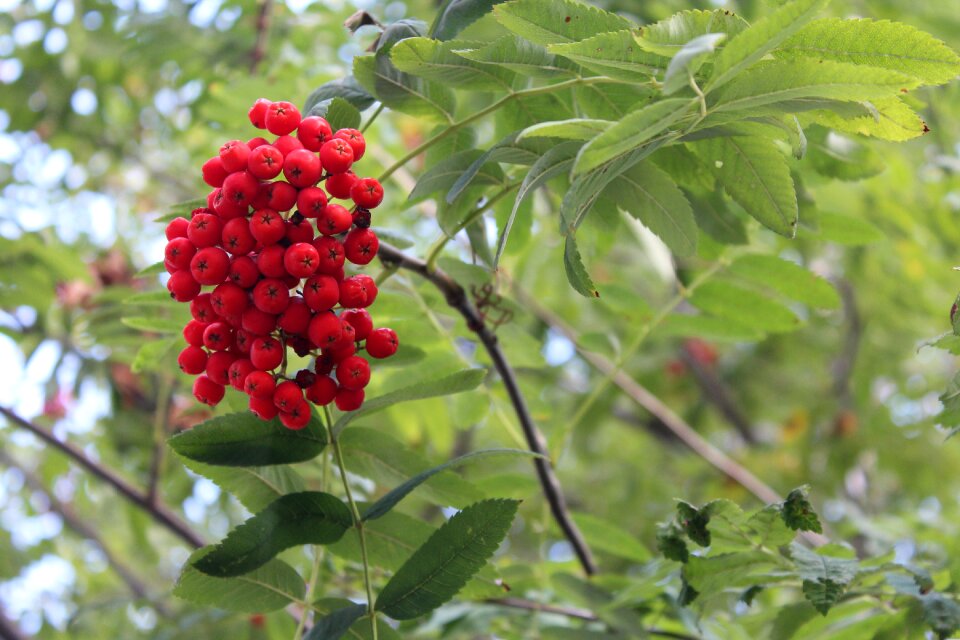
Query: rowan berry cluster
{"points": [[276, 284]]}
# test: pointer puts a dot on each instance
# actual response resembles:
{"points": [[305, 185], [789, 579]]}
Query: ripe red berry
{"points": [[361, 246], [302, 168], [282, 118], [353, 373], [266, 353], [259, 384], [257, 322], [178, 253], [201, 308], [265, 162], [331, 254], [183, 286], [301, 260], [193, 333], [336, 155], [207, 391], [355, 139], [233, 155], [228, 209], [258, 113], [210, 266], [286, 144], [367, 193], [299, 230], [218, 336], [271, 296], [263, 408], [241, 188], [322, 391], [236, 237], [382, 343], [229, 299], [321, 292], [177, 228], [204, 230], [333, 220], [243, 272], [357, 292], [297, 418], [214, 172], [238, 373], [288, 395], [281, 196], [340, 184], [192, 360], [311, 201], [324, 329], [349, 399], [259, 141], [270, 261], [361, 322], [296, 317], [267, 226], [313, 132], [218, 366]]}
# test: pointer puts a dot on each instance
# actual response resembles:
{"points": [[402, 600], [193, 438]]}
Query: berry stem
{"points": [[373, 116], [357, 522]]}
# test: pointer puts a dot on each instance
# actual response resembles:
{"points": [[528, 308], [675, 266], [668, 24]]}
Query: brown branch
{"points": [[684, 432], [159, 512], [79, 526], [457, 298], [717, 394], [9, 630], [263, 33], [844, 364]]}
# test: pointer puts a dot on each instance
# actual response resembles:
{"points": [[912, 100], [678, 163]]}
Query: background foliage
{"points": [[108, 109]]}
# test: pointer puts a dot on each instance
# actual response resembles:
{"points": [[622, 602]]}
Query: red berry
{"points": [[193, 333], [201, 308], [360, 320], [238, 373], [241, 188], [233, 155], [321, 293], [288, 395], [286, 144], [349, 399], [270, 261], [282, 118], [228, 209], [336, 155], [313, 132], [271, 296], [331, 254], [324, 330], [192, 360], [311, 201], [296, 317], [265, 162], [267, 227], [302, 168], [207, 391], [266, 353], [333, 220], [257, 322], [183, 286], [353, 373], [297, 418], [258, 113], [263, 408], [281, 196], [382, 343], [177, 228], [218, 366], [243, 272], [340, 351], [210, 265], [236, 237], [323, 364], [178, 253], [340, 184], [367, 193], [204, 230], [361, 246], [357, 292], [253, 143], [301, 260], [259, 384], [322, 391], [229, 299], [299, 230], [355, 139], [218, 336], [214, 172]]}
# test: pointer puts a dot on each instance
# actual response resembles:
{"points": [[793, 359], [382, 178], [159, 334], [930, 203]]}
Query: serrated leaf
{"points": [[688, 61], [786, 278], [242, 439], [822, 594], [694, 522], [712, 575], [150, 355], [269, 588], [611, 101], [445, 175], [891, 119], [403, 92], [755, 174], [255, 487], [397, 31], [671, 544], [457, 15], [445, 562], [778, 81], [576, 272], [669, 35], [510, 150], [744, 306], [614, 54], [308, 517], [465, 380], [336, 623], [716, 220], [338, 112], [521, 56], [650, 195], [361, 629], [825, 578], [847, 229], [553, 21], [153, 324], [882, 44], [633, 131], [572, 129], [608, 537], [798, 513], [762, 37], [941, 612], [437, 61], [387, 502], [160, 297], [347, 88]]}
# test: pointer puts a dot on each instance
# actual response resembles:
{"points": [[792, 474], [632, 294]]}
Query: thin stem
{"points": [[263, 32], [456, 126], [372, 118], [164, 392], [311, 586], [696, 90], [357, 522]]}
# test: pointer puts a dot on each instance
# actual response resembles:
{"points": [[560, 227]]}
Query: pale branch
{"points": [[717, 394], [683, 431], [263, 32], [456, 297], [138, 498], [846, 360], [74, 522]]}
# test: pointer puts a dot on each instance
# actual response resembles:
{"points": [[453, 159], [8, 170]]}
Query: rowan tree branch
{"points": [[457, 298], [263, 33], [159, 512]]}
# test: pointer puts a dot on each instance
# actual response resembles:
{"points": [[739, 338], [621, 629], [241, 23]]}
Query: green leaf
{"points": [[457, 15], [670, 542], [160, 297], [836, 156], [688, 61], [338, 112], [870, 43], [593, 597], [798, 513], [309, 517], [890, 119], [786, 278], [390, 500], [150, 355], [744, 306], [442, 566], [510, 150], [825, 577], [553, 21], [576, 272], [633, 131], [610, 538], [791, 81], [271, 587], [333, 625], [437, 61], [669, 36], [403, 92], [941, 612], [755, 174], [465, 380], [650, 195], [716, 220], [614, 54], [346, 88], [521, 56], [709, 576], [694, 522], [397, 31], [572, 129], [360, 630], [445, 175], [242, 439], [151, 270], [154, 324], [847, 229], [762, 37], [255, 487], [390, 462]]}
